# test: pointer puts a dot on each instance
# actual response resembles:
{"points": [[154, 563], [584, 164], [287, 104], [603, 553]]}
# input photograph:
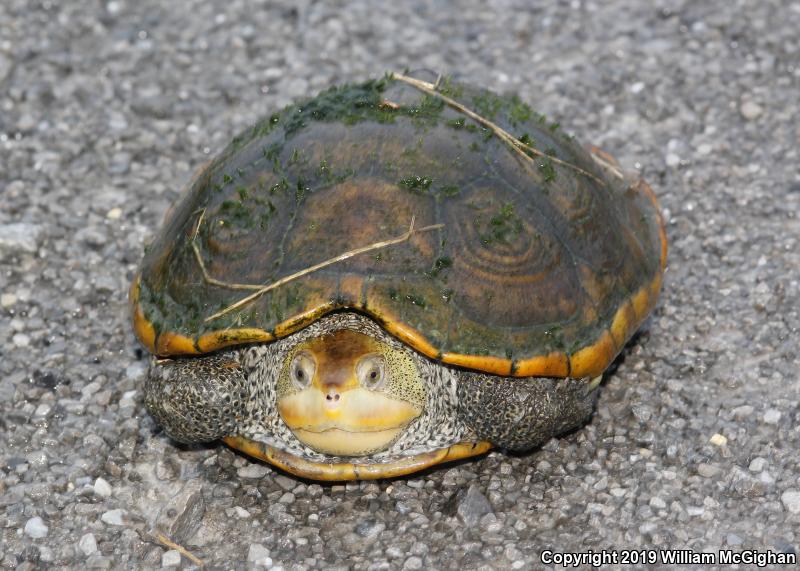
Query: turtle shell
{"points": [[530, 255]]}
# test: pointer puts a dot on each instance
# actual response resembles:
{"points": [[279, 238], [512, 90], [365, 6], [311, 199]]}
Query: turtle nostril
{"points": [[332, 396]]}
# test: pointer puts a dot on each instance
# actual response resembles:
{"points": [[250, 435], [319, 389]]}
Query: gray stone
{"points": [[171, 558], [6, 66], [36, 528], [182, 514], [19, 238], [259, 555], [370, 528], [733, 539], [707, 470], [114, 517], [97, 561], [87, 544], [253, 471], [285, 482], [746, 485], [791, 500], [473, 506], [102, 488], [750, 110]]}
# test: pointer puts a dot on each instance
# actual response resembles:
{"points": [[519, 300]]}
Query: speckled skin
{"points": [[519, 414], [199, 399]]}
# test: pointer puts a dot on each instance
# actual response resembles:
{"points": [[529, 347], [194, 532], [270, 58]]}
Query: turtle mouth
{"points": [[343, 469], [360, 423], [341, 442]]}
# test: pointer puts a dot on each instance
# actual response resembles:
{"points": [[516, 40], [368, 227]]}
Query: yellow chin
{"points": [[340, 442], [362, 422]]}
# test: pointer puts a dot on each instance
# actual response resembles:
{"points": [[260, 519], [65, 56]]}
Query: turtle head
{"points": [[345, 393]]}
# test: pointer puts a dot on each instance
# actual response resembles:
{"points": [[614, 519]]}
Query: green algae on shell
{"points": [[536, 249]]}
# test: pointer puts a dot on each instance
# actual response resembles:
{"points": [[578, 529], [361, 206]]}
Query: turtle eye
{"points": [[371, 371], [302, 369]]}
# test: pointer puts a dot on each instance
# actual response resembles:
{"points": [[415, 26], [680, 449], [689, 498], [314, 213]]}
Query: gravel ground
{"points": [[107, 107]]}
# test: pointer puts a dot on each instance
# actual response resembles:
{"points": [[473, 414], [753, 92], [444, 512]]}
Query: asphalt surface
{"points": [[106, 108]]}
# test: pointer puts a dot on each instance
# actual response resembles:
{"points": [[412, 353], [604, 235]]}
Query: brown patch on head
{"points": [[336, 355]]}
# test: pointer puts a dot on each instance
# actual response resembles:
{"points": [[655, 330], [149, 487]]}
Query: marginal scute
{"points": [[624, 321], [303, 319], [540, 267], [495, 365], [141, 326], [641, 303], [219, 339], [551, 365], [593, 360], [169, 343]]}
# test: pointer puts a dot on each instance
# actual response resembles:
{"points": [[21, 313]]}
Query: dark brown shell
{"points": [[543, 264]]}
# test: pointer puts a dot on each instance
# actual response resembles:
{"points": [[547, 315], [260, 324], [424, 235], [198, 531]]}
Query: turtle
{"points": [[392, 274]]}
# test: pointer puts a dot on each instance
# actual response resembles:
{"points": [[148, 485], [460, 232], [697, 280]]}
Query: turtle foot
{"points": [[197, 399], [523, 413]]}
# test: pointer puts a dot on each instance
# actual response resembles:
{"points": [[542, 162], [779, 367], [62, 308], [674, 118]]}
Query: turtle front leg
{"points": [[523, 413], [197, 399]]}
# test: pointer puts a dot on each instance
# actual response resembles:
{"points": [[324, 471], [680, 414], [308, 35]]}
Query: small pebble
{"points": [[637, 87], [772, 416], [171, 558], [36, 528], [102, 488], [766, 477], [790, 499], [707, 470], [114, 214], [19, 238], [473, 506], [258, 555], [288, 484], [253, 471], [672, 160], [113, 517], [718, 440], [750, 110], [370, 528], [733, 539], [704, 149], [21, 340], [8, 299], [87, 544], [43, 409], [757, 464], [742, 412]]}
